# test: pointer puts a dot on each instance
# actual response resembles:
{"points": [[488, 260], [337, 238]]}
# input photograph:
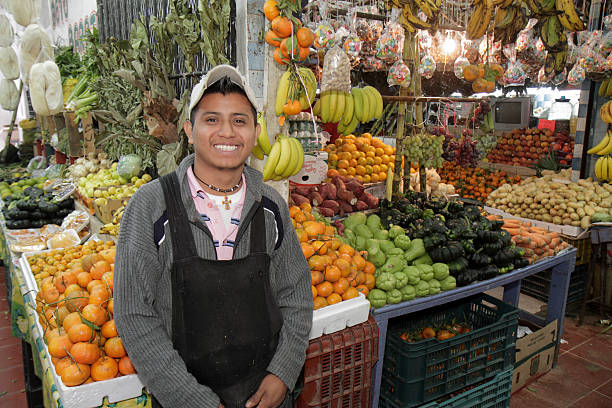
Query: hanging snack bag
{"points": [[515, 74], [427, 67], [324, 35], [576, 75], [390, 44], [399, 74], [460, 62], [371, 63], [542, 77], [525, 38], [336, 74], [560, 78], [352, 45]]}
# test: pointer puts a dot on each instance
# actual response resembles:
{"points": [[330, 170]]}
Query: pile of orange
{"points": [[75, 309], [337, 271], [290, 40], [364, 157]]}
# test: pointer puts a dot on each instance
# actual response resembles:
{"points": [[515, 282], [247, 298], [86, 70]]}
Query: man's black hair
{"points": [[224, 86]]}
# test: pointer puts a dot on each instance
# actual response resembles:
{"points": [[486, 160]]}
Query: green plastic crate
{"points": [[416, 373], [492, 394]]}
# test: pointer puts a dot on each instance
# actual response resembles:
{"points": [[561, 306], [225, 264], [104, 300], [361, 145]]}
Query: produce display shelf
{"points": [[569, 230], [562, 266], [508, 168]]}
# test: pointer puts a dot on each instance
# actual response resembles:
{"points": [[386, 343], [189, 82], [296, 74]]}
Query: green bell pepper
{"points": [[448, 283], [408, 292], [427, 272], [377, 298], [434, 287], [401, 279], [402, 241], [422, 289], [413, 273], [385, 281], [440, 271], [394, 296]]}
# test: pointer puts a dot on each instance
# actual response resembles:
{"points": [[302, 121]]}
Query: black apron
{"points": [[225, 319]]}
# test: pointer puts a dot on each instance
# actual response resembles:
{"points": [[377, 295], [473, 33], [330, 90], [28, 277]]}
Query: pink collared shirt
{"points": [[223, 235]]}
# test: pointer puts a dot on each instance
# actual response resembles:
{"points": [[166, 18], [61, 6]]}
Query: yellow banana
{"points": [[272, 161], [257, 152], [293, 157], [284, 157], [349, 109], [333, 104], [281, 93], [340, 102], [607, 149], [605, 113], [378, 102], [359, 104], [598, 165], [569, 17], [300, 158], [325, 102], [601, 145], [316, 109], [263, 141], [609, 167], [371, 102]]}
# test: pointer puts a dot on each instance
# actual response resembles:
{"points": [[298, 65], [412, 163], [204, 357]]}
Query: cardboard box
{"points": [[534, 355], [105, 212]]}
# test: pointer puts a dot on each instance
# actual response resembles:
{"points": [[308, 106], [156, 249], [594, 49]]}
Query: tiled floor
{"points": [[583, 376], [12, 387]]}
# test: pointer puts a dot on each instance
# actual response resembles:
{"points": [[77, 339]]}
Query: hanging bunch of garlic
{"points": [[93, 163]]}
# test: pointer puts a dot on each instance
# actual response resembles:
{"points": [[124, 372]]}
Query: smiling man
{"points": [[212, 291]]}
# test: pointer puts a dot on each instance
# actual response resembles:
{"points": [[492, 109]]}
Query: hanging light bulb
{"points": [[449, 45]]}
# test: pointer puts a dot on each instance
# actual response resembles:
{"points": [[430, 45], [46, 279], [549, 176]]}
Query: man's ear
{"points": [[187, 127]]}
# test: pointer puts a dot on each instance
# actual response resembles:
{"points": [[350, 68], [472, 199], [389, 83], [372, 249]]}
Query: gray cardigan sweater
{"points": [[143, 296]]}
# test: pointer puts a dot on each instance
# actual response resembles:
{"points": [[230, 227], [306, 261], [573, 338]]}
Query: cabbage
{"points": [[6, 31], [9, 66], [129, 166]]}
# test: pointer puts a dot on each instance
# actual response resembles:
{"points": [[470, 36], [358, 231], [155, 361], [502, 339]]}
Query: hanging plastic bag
{"points": [[34, 41], [515, 74], [371, 63], [427, 67], [576, 75], [543, 78], [560, 77], [6, 32], [460, 62], [324, 32], [25, 12], [336, 74], [352, 44], [9, 65], [399, 74], [390, 44]]}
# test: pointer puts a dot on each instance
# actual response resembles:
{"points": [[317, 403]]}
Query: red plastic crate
{"points": [[338, 368]]}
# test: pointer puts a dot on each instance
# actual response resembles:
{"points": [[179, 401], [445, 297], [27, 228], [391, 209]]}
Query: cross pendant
{"points": [[226, 201]]}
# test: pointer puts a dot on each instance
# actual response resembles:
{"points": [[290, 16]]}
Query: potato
{"points": [[546, 217], [575, 223], [589, 210], [567, 221], [557, 220], [585, 222], [580, 212], [574, 217]]}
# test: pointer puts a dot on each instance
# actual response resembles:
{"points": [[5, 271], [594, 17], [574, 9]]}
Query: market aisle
{"points": [[583, 377], [12, 387]]}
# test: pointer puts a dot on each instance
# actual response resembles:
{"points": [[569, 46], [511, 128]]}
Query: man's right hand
{"points": [[220, 406]]}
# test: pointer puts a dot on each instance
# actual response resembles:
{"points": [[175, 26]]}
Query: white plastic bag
{"points": [[6, 31], [9, 65], [336, 71], [25, 12], [46, 88], [34, 41], [9, 95]]}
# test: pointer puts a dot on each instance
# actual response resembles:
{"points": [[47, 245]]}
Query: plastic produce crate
{"points": [[538, 286], [415, 373], [338, 368], [492, 394], [583, 245]]}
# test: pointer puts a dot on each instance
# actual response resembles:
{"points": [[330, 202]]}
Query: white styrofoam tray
{"points": [[333, 318], [88, 395]]}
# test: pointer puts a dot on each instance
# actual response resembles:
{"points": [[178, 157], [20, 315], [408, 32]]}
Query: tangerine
{"points": [[75, 374], [71, 320], [99, 269], [333, 299], [109, 329], [125, 366], [114, 347], [59, 346], [80, 332], [324, 289], [341, 285], [85, 353], [316, 277], [104, 368], [332, 273], [363, 289], [83, 279], [95, 313], [350, 294], [319, 302]]}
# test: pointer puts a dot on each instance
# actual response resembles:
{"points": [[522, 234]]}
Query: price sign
{"points": [[546, 124]]}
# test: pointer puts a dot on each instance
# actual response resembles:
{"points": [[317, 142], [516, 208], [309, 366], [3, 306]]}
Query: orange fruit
{"points": [[95, 313], [85, 353], [109, 329], [80, 332], [346, 249], [271, 10], [59, 346], [99, 295], [358, 261], [107, 278], [125, 366], [369, 268], [307, 249], [63, 280], [333, 299], [344, 266], [332, 273], [341, 285], [314, 292], [61, 363], [99, 269], [75, 300], [110, 306], [75, 374], [316, 263], [324, 289], [83, 279], [343, 164], [71, 320], [114, 347], [104, 368], [363, 289], [319, 302], [350, 294]]}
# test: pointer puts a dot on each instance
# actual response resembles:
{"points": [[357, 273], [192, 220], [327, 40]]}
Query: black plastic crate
{"points": [[415, 373], [538, 285]]}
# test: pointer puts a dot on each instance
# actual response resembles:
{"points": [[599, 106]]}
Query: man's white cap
{"points": [[215, 75]]}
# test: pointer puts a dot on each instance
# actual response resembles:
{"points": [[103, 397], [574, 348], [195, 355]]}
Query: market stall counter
{"points": [[562, 266]]}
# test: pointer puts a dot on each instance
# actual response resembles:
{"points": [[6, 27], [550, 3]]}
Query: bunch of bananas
{"points": [[605, 112], [349, 109], [410, 8], [263, 142], [510, 19], [604, 147], [563, 9], [603, 168], [285, 159], [605, 89], [480, 19], [112, 228], [291, 95]]}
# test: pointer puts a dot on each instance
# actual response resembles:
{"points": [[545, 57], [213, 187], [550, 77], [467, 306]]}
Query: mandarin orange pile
{"points": [[338, 272], [364, 157], [75, 309], [474, 182]]}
